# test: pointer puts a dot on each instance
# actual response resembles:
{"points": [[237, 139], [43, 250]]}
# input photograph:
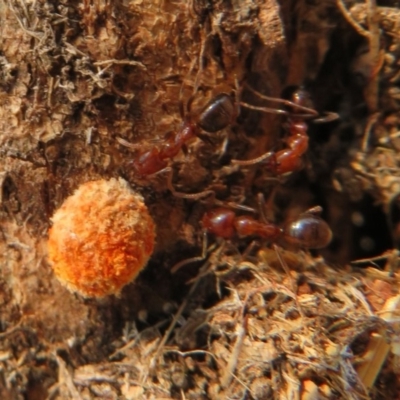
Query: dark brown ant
{"points": [[217, 114], [307, 231], [289, 159]]}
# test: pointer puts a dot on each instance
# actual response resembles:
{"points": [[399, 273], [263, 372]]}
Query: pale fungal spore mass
{"points": [[102, 236]]}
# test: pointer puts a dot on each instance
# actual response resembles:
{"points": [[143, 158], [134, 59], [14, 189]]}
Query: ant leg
{"points": [[264, 109], [137, 146], [313, 113], [191, 260], [235, 206], [328, 117], [261, 210], [306, 112], [249, 249], [193, 196], [224, 146], [129, 145], [253, 161]]}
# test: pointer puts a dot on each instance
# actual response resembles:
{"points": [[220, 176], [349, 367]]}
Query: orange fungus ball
{"points": [[101, 238]]}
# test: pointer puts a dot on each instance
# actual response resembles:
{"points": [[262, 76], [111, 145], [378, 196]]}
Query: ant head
{"points": [[299, 96]]}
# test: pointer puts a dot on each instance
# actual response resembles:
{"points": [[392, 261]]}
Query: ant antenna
{"points": [[264, 109], [192, 196], [328, 117], [311, 111], [235, 206]]}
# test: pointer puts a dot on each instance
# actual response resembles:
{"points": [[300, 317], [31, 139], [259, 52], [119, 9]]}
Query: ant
{"points": [[289, 159], [219, 113], [308, 230]]}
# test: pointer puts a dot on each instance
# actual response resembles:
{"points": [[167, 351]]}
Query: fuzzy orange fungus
{"points": [[101, 238]]}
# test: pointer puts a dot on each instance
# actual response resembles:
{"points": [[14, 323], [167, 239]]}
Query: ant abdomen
{"points": [[219, 113], [308, 231]]}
